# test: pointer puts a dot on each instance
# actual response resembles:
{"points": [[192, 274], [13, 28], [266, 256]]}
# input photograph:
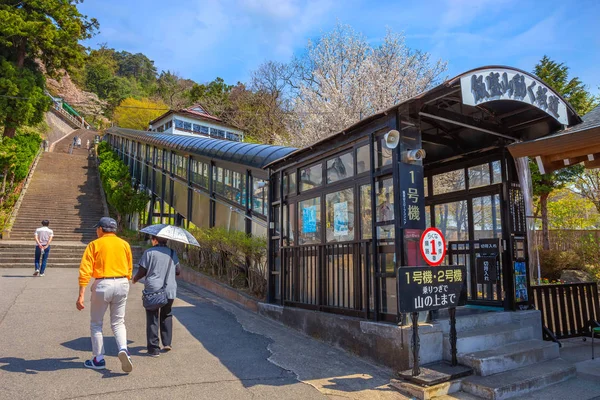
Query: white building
{"points": [[195, 121]]}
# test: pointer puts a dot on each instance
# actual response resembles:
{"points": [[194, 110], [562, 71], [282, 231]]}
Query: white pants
{"points": [[108, 293]]}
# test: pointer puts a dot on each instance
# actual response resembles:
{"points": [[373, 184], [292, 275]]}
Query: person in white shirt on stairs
{"points": [[43, 238]]}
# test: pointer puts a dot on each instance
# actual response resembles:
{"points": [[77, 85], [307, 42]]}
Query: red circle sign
{"points": [[433, 246]]}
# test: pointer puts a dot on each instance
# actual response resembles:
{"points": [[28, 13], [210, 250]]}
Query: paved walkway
{"points": [[220, 351]]}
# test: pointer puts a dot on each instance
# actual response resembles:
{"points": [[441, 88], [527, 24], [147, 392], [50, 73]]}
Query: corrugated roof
{"points": [[248, 154]]}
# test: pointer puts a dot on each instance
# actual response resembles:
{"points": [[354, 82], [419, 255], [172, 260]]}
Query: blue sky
{"points": [[203, 39]]}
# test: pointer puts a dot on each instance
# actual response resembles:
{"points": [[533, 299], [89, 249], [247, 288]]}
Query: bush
{"points": [[553, 262], [232, 256], [116, 182]]}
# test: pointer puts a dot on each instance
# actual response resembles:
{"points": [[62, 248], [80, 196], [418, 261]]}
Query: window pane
{"points": [[385, 200], [386, 234], [340, 167], [309, 221], [259, 196], [339, 208], [449, 182], [311, 177], [479, 176], [366, 212], [363, 161], [425, 187], [452, 220], [382, 154], [487, 222], [497, 172], [292, 227], [293, 183]]}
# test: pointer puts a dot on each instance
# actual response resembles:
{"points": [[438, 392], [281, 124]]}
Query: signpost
{"points": [[433, 246], [428, 289]]}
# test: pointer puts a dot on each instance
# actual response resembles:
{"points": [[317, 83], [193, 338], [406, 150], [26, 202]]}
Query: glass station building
{"points": [[343, 214]]}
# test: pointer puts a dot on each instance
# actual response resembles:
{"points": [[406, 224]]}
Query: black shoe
{"points": [[154, 353]]}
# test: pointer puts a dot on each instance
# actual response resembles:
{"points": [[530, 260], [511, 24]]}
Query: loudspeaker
{"points": [[392, 139]]}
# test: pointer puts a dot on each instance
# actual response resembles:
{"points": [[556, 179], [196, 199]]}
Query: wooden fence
{"points": [[567, 310], [568, 239]]}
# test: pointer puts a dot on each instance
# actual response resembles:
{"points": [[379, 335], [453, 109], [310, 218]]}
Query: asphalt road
{"points": [[220, 351]]}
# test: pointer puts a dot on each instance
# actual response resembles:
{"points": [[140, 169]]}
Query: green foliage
{"points": [[116, 181], [233, 256], [568, 210], [556, 75], [32, 32], [16, 156]]}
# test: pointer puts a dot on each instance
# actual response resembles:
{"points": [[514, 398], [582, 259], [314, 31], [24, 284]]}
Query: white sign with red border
{"points": [[433, 246]]}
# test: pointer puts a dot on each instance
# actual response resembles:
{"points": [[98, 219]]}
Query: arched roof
{"points": [[248, 154]]}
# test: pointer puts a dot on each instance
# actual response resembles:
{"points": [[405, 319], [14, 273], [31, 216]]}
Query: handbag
{"points": [[152, 301]]}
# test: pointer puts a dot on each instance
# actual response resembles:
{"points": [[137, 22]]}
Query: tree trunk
{"points": [[544, 212], [9, 132]]}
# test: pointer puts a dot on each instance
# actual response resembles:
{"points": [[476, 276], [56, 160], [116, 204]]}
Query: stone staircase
{"points": [[66, 191], [507, 354]]}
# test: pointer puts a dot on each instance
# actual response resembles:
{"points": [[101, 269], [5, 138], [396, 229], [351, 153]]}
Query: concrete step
{"points": [[510, 356], [474, 321], [519, 381], [30, 257], [50, 263], [487, 337]]}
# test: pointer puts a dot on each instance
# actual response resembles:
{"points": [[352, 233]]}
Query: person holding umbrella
{"points": [[159, 265]]}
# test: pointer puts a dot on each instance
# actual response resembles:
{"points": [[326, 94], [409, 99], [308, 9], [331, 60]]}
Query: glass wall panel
{"points": [[201, 210], [388, 300], [385, 200], [309, 221], [366, 212], [311, 177], [292, 225], [449, 182], [259, 196], [293, 183], [340, 167], [487, 221], [159, 158], [363, 161], [479, 176], [200, 173], [339, 209], [382, 154], [496, 172], [452, 219], [258, 230], [386, 234]]}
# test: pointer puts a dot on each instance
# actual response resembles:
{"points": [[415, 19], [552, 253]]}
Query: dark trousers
{"points": [[43, 256], [160, 319]]}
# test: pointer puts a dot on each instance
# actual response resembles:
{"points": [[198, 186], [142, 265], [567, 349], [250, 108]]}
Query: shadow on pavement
{"points": [[84, 343], [243, 353], [20, 365]]}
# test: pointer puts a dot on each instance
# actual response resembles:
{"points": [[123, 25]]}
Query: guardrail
{"points": [[77, 122], [568, 310]]}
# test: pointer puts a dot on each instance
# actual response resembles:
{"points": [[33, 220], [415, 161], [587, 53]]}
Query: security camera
{"points": [[415, 155]]}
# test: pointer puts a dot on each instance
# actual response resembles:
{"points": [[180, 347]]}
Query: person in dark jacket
{"points": [[154, 265]]}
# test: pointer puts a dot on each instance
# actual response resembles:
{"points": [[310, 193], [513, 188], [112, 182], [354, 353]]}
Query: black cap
{"points": [[107, 224]]}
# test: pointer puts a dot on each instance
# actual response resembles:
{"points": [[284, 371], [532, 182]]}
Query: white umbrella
{"points": [[171, 232]]}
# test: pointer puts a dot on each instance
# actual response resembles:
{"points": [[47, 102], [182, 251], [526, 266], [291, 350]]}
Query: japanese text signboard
{"points": [[504, 84], [433, 246], [426, 288], [487, 271], [412, 202]]}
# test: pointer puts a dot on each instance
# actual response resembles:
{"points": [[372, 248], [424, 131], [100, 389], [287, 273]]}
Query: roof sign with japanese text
{"points": [[433, 246], [504, 84], [425, 288]]}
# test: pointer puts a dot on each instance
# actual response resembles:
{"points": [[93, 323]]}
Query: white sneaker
{"points": [[125, 359], [42, 274], [37, 271]]}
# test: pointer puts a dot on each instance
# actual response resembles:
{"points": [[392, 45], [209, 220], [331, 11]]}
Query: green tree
{"points": [[173, 90], [32, 31], [556, 75]]}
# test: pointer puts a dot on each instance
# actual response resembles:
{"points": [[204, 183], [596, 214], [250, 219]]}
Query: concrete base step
{"points": [[487, 337], [519, 381], [49, 264], [474, 321], [510, 356]]}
